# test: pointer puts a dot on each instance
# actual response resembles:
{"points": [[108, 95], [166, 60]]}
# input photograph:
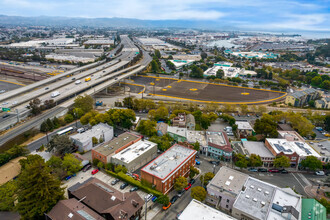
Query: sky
{"points": [[272, 15]]}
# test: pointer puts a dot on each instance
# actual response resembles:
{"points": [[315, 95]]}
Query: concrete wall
{"points": [[222, 200]]}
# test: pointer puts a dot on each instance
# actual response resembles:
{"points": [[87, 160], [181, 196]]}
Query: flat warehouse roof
{"points": [[198, 210], [169, 161], [116, 143], [96, 131], [258, 148], [134, 151]]}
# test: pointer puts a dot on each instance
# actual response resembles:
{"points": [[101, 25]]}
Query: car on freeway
{"points": [[253, 170], [181, 192], [148, 197], [123, 186], [262, 170], [116, 78], [174, 198], [273, 171], [320, 173], [87, 168], [188, 187], [166, 207], [73, 79], [197, 162], [6, 116], [284, 171], [192, 181], [2, 91], [154, 199], [135, 188], [115, 181], [95, 171], [214, 162], [14, 102], [46, 88]]}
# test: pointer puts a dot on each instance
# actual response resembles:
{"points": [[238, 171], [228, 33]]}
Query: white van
{"points": [[56, 93], [77, 82]]}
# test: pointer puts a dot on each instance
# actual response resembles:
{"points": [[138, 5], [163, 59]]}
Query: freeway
{"points": [[30, 87]]}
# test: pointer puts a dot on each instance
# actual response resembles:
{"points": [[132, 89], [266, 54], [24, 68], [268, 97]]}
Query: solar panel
{"points": [[103, 187], [85, 215]]}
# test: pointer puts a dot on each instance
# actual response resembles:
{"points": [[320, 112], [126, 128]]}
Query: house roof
{"points": [[72, 209], [106, 199], [218, 140], [190, 119]]}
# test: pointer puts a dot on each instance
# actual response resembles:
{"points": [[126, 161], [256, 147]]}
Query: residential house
{"points": [[219, 146]]}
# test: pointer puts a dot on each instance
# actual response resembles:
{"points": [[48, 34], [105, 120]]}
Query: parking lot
{"points": [[206, 92]]}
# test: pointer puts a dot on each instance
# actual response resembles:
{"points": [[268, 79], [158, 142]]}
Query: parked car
{"points": [[320, 173], [166, 207], [198, 162], [95, 171], [115, 181], [252, 170], [192, 181], [181, 192], [123, 186], [283, 171], [135, 188], [215, 162], [46, 88], [174, 198], [262, 170], [148, 197], [154, 199], [2, 91], [87, 168], [273, 171], [197, 156], [188, 187]]}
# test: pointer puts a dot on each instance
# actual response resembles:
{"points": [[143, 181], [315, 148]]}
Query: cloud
{"points": [[278, 14]]}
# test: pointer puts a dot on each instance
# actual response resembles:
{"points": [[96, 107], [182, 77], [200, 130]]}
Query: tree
{"points": [[244, 109], [85, 103], [327, 123], [61, 145], [120, 168], [163, 199], [71, 164], [193, 172], [255, 161], [8, 196], [78, 113], [203, 55], [206, 178], [281, 161], [38, 191], [241, 161], [95, 141], [198, 193], [154, 66], [205, 121], [44, 127], [180, 183], [157, 54], [220, 74], [163, 143], [196, 146], [312, 163], [147, 127], [68, 118], [196, 72], [266, 126]]}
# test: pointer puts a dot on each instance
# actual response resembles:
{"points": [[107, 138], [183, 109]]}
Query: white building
{"points": [[179, 64], [84, 140], [229, 71], [198, 210], [136, 155]]}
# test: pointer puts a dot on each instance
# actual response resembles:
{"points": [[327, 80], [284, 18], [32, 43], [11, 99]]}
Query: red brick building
{"points": [[282, 147], [162, 171]]}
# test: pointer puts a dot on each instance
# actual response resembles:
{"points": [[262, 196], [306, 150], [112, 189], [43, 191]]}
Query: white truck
{"points": [[77, 82], [56, 93]]}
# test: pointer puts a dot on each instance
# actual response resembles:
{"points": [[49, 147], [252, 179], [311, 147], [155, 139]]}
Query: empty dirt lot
{"points": [[206, 92]]}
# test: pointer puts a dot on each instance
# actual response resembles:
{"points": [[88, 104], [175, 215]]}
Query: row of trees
{"points": [[12, 153], [36, 106]]}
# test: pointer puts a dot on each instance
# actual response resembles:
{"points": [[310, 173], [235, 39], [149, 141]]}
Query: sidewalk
{"points": [[314, 192]]}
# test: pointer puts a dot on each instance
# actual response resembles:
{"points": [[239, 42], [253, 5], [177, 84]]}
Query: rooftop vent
{"points": [[247, 196], [255, 200], [266, 192], [252, 186], [231, 177], [113, 198], [259, 189], [263, 203], [70, 215]]}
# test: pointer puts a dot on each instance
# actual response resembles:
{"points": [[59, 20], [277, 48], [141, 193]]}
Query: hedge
{"points": [[134, 182]]}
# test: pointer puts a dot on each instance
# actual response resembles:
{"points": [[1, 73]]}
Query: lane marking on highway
{"points": [[298, 181], [20, 84]]}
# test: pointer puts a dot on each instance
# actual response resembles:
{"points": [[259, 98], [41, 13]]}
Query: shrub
{"points": [[95, 162]]}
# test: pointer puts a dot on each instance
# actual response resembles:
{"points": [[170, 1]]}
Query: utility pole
{"points": [[146, 202]]}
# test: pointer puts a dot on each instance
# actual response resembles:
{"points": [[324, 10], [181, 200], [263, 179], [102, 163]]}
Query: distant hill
{"points": [[108, 22]]}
